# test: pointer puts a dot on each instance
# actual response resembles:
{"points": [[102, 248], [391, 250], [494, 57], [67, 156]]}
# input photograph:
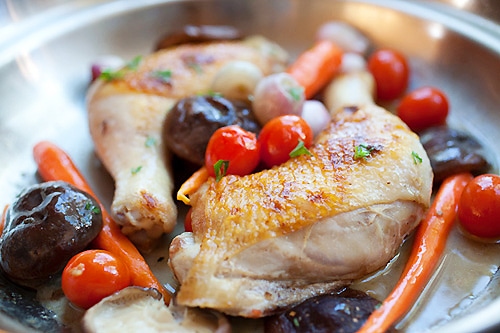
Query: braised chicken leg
{"points": [[126, 114], [271, 239]]}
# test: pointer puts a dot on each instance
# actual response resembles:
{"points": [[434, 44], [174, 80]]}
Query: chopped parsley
{"points": [[416, 158], [134, 63], [210, 93], [90, 206], [195, 67], [136, 170], [300, 149], [296, 93], [362, 151], [110, 74], [296, 322], [220, 169], [150, 142], [163, 75]]}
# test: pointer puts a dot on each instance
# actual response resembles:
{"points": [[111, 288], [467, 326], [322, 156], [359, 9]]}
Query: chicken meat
{"points": [[311, 225], [126, 110]]}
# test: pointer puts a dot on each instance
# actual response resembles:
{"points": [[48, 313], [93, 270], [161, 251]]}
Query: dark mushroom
{"points": [[452, 151], [198, 34], [193, 120], [44, 228], [343, 312]]}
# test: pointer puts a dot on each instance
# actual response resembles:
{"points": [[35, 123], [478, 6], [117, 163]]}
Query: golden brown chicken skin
{"points": [[126, 116], [311, 225]]}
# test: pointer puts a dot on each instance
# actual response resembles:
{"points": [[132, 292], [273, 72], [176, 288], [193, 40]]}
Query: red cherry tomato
{"points": [[423, 108], [479, 207], [92, 275], [235, 145], [391, 72], [280, 136]]}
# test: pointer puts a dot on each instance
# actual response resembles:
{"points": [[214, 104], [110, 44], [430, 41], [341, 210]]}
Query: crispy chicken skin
{"points": [[313, 224], [126, 118]]}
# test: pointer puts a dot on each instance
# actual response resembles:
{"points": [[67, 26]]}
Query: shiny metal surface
{"points": [[47, 47], [487, 9]]}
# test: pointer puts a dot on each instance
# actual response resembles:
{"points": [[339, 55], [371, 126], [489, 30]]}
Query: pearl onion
{"points": [[316, 115], [276, 95], [345, 36], [237, 79]]}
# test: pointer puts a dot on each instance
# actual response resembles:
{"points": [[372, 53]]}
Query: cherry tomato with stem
{"points": [[479, 207], [92, 275], [391, 72], [423, 108], [280, 136], [232, 150]]}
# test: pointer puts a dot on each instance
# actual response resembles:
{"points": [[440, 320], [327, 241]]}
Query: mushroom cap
{"points": [[136, 309]]}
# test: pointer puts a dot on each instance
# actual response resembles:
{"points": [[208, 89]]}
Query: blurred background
{"points": [[12, 11]]}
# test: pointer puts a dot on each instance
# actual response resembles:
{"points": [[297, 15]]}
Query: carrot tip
{"points": [[182, 197], [192, 184]]}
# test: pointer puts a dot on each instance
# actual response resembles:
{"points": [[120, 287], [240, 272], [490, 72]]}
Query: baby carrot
{"points": [[54, 164], [314, 68], [428, 247], [2, 218], [192, 184]]}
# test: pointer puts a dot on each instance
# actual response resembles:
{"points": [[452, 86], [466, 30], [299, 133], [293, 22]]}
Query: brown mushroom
{"points": [[135, 309], [198, 34], [452, 151]]}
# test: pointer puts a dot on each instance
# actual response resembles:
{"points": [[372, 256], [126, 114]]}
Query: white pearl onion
{"points": [[345, 36], [352, 62], [237, 79], [316, 115], [276, 95]]}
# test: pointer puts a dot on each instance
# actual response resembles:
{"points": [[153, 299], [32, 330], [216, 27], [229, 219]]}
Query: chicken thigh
{"points": [[126, 115], [271, 239]]}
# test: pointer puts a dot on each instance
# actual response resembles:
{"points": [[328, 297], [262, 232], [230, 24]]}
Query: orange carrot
{"points": [[192, 184], [2, 219], [54, 164], [427, 250], [314, 68]]}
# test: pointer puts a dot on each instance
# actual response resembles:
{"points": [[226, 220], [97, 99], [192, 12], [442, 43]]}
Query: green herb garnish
{"points": [[150, 142], [94, 209], [296, 322], [220, 168], [195, 67], [163, 75], [362, 151], [136, 170], [416, 158], [300, 149], [210, 93], [134, 63], [111, 74], [296, 93]]}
